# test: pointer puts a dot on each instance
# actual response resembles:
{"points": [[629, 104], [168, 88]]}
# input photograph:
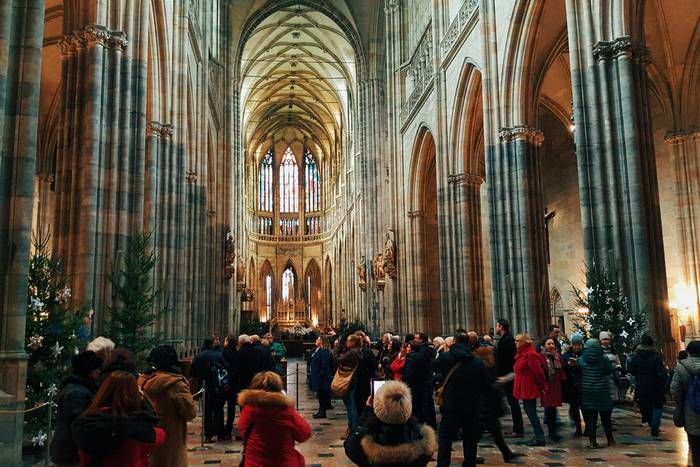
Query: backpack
{"points": [[219, 378], [692, 397]]}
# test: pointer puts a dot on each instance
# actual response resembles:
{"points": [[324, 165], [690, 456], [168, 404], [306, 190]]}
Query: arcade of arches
{"points": [[415, 164]]}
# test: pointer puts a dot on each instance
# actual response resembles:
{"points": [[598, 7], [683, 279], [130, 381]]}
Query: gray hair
{"points": [[244, 339]]}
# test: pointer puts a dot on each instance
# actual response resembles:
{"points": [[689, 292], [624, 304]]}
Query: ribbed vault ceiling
{"points": [[297, 68]]}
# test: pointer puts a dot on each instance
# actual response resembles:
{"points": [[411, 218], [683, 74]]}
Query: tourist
{"points": [[116, 430], [266, 362], [75, 394], [466, 382], [648, 369], [321, 376], [555, 335], [595, 394], [682, 355], [680, 385], [277, 352], [473, 339], [505, 359], [530, 383], [572, 385], [349, 359], [389, 435], [384, 348], [425, 410], [438, 343], [269, 424], [364, 374], [169, 393], [605, 339], [399, 363], [486, 340], [230, 354], [203, 368], [417, 375], [389, 355], [119, 359], [102, 346], [251, 361], [491, 404], [552, 397]]}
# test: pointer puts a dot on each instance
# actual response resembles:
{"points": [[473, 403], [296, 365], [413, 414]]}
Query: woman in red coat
{"points": [[530, 383], [552, 397], [269, 424], [399, 363], [119, 428]]}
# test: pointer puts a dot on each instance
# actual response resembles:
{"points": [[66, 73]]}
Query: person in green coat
{"points": [[277, 351], [595, 394]]}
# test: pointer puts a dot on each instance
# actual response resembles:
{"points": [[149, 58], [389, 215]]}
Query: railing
{"points": [[288, 238], [468, 8], [420, 70]]}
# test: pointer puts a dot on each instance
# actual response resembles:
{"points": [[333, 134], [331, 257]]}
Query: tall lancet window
{"points": [[287, 284], [289, 182], [312, 183], [265, 192]]}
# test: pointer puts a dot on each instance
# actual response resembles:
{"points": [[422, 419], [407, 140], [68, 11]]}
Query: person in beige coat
{"points": [[169, 393]]}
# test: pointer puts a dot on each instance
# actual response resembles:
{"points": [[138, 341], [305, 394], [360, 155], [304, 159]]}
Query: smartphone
{"points": [[376, 384]]}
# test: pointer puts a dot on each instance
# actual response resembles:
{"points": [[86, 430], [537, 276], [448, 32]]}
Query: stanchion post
{"points": [[204, 408], [49, 434], [297, 385]]}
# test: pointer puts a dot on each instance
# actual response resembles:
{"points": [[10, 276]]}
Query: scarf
{"points": [[553, 363]]}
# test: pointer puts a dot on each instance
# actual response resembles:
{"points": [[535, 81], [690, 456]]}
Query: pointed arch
{"points": [[266, 295], [312, 291]]}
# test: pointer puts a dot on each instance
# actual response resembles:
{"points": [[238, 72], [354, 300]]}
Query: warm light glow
{"points": [[572, 128], [582, 311], [683, 298]]}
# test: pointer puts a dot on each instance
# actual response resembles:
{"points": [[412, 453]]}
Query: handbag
{"points": [[342, 380], [440, 391], [245, 441], [629, 394]]}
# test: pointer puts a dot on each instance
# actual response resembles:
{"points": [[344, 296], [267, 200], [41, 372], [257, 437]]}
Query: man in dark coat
{"points": [[251, 360], [418, 374], [365, 372], [462, 392], [505, 359], [648, 368], [202, 365], [76, 393], [231, 356], [572, 384]]}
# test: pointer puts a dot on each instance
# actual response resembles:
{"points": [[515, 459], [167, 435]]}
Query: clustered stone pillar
{"points": [[616, 166], [21, 37], [519, 269]]}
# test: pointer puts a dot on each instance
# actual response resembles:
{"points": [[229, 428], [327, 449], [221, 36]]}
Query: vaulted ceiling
{"points": [[298, 75]]}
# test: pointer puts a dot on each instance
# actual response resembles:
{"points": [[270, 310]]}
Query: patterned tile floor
{"points": [[635, 445]]}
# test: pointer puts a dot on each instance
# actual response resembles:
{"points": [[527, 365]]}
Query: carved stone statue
{"points": [[230, 264], [390, 255], [379, 267], [362, 272], [240, 271]]}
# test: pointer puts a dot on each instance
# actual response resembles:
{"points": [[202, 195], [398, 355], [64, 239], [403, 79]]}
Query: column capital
{"points": [[530, 135], [159, 130], [417, 214], [191, 178], [465, 179], [391, 6], [680, 137], [608, 50]]}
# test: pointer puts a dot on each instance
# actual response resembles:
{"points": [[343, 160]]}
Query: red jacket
{"points": [[530, 382], [271, 426], [397, 367], [553, 396]]}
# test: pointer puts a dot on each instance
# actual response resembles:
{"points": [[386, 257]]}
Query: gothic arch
{"points": [[266, 296], [313, 295], [326, 317]]}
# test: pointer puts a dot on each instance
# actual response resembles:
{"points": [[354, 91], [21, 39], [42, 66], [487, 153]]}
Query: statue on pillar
{"points": [[379, 270], [230, 264], [240, 273], [362, 272], [390, 254]]}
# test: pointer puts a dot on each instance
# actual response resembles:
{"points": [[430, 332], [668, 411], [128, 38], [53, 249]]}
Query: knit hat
{"points": [[576, 338], [84, 362], [693, 348], [392, 403], [604, 335], [647, 340]]}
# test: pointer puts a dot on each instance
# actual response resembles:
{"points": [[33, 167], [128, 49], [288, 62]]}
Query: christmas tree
{"points": [[133, 314], [605, 308], [54, 333]]}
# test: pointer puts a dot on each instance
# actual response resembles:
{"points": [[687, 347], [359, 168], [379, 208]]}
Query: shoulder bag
{"points": [[342, 380], [439, 393]]}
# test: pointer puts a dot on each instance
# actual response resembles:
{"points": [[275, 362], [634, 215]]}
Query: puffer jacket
{"points": [[595, 373], [679, 390], [169, 393], [648, 368], [75, 395]]}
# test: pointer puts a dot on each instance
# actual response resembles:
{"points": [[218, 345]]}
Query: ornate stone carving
{"points": [[415, 214], [531, 135], [379, 270], [92, 35], [362, 272], [468, 8], [391, 6], [390, 254], [464, 179], [420, 70], [159, 130], [166, 131], [607, 50], [230, 265], [240, 274], [191, 177]]}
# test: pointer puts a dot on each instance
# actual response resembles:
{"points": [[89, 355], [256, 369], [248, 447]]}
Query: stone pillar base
{"points": [[13, 374]]}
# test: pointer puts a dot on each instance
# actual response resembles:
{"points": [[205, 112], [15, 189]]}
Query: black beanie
{"points": [[84, 362], [693, 348]]}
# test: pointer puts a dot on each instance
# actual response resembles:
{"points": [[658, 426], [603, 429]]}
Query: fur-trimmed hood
{"points": [[258, 397], [403, 453]]}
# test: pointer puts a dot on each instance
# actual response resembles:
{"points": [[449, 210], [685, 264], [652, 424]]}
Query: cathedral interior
{"points": [[412, 164]]}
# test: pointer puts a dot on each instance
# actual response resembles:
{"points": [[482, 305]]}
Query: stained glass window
{"points": [[268, 296], [287, 284], [312, 183], [265, 225], [289, 182], [289, 226], [313, 225], [265, 191]]}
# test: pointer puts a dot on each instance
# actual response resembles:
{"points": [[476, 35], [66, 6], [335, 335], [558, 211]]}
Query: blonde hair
{"points": [[267, 381], [101, 346], [524, 337]]}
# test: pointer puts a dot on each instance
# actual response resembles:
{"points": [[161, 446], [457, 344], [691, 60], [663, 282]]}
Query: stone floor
{"points": [[635, 445]]}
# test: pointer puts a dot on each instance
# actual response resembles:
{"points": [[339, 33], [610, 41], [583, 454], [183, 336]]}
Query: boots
{"points": [[320, 414]]}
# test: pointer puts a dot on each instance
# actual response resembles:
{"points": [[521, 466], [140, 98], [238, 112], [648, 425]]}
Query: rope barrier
{"points": [[36, 407]]}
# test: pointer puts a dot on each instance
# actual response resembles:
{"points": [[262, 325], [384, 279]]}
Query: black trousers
{"points": [[515, 410], [213, 414], [423, 407], [591, 417], [575, 414], [694, 447], [324, 400], [450, 424], [230, 412], [493, 426]]}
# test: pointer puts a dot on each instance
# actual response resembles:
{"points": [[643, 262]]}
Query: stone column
{"points": [[519, 270], [617, 172], [21, 36]]}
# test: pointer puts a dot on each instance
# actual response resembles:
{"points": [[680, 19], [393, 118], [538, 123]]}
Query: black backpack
{"points": [[219, 378]]}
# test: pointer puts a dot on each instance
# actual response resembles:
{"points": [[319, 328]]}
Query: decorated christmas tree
{"points": [[54, 333], [134, 313], [604, 307]]}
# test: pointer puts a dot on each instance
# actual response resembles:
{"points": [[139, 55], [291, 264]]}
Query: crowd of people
{"points": [[111, 414]]}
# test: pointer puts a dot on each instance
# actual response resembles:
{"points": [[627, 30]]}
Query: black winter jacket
{"points": [[648, 368], [75, 395], [251, 361], [467, 385], [505, 354]]}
